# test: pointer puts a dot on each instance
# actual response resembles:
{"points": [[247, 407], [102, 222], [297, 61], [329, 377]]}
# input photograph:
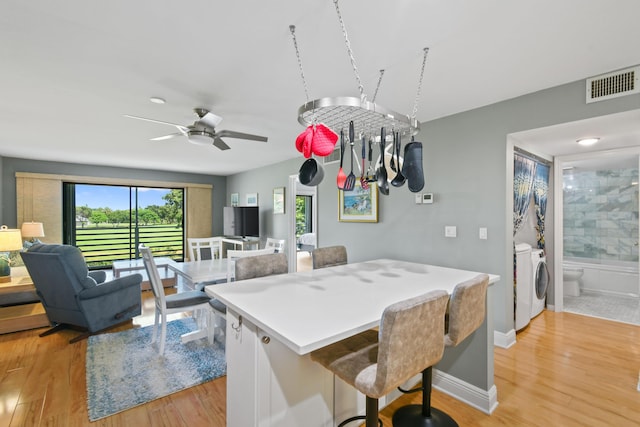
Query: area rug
{"points": [[124, 369]]}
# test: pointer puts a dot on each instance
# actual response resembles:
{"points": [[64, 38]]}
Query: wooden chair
{"points": [[168, 304], [329, 256], [411, 337], [278, 244], [465, 314], [203, 248]]}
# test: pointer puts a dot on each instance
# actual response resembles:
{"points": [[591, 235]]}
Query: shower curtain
{"points": [[524, 171], [540, 190]]}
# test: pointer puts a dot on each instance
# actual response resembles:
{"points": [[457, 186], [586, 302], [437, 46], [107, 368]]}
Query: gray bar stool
{"points": [[410, 337], [466, 313]]}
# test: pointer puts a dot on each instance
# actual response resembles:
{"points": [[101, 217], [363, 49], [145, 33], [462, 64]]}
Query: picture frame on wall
{"points": [[278, 200], [252, 199], [359, 204], [234, 199]]}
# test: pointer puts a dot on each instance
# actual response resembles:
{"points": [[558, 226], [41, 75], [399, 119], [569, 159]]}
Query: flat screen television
{"points": [[241, 221]]}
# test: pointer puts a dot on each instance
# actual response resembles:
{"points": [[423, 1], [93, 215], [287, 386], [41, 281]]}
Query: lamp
{"points": [[10, 240], [32, 230]]}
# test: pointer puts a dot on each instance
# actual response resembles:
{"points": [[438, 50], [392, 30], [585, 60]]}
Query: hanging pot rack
{"points": [[335, 112], [367, 116]]}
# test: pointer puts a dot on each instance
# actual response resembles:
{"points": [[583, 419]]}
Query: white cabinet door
{"points": [[270, 385], [295, 391]]}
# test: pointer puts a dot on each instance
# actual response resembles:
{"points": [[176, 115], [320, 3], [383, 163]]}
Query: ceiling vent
{"points": [[334, 157], [613, 85]]}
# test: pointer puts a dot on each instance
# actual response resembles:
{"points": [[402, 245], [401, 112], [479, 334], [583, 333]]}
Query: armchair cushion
{"points": [[112, 286], [99, 275]]}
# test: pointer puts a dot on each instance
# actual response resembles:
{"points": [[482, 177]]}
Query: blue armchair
{"points": [[74, 297]]}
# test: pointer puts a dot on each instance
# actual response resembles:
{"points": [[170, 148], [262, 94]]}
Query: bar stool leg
{"points": [[423, 415]]}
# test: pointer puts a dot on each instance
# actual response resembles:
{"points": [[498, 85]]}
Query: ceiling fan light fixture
{"points": [[585, 142], [200, 137]]}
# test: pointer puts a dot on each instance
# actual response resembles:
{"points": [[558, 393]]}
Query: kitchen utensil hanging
{"points": [[335, 112], [350, 182]]}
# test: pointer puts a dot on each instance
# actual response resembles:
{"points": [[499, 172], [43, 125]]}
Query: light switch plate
{"points": [[450, 231], [418, 199], [483, 233]]}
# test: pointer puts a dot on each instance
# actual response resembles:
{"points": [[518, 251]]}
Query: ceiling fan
{"points": [[203, 130]]}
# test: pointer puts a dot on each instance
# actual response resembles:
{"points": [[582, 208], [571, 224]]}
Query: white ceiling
{"points": [[71, 69]]}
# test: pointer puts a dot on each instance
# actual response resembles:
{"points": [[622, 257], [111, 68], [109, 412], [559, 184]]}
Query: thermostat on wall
{"points": [[427, 198]]}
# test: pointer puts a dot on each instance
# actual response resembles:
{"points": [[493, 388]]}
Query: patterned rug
{"points": [[124, 369]]}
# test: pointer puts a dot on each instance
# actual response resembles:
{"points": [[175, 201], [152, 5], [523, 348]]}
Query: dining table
{"points": [[200, 272], [204, 271], [274, 322]]}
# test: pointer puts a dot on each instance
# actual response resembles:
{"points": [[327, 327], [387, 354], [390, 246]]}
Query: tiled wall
{"points": [[600, 212]]}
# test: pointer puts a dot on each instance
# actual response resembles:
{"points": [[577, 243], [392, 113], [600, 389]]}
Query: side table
{"points": [[127, 266], [20, 317]]}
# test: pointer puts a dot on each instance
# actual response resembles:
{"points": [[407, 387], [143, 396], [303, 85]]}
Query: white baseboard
{"points": [[485, 401], [504, 340]]}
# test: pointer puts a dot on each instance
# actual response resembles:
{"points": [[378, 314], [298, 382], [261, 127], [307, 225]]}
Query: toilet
{"points": [[571, 280]]}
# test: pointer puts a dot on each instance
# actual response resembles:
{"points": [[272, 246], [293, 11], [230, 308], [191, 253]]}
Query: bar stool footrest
{"points": [[356, 418]]}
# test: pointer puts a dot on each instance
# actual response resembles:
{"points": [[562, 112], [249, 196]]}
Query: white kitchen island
{"points": [[274, 322]]}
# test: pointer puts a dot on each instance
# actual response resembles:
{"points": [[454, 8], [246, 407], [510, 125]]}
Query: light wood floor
{"points": [[565, 370]]}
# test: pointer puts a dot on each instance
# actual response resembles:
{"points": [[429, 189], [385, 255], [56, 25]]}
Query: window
{"points": [[108, 222]]}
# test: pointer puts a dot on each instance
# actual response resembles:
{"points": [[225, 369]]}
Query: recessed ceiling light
{"points": [[587, 141], [157, 100]]}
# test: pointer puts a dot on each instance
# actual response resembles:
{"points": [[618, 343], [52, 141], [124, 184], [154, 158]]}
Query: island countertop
{"points": [[309, 310]]}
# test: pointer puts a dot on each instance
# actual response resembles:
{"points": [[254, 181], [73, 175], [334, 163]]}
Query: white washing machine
{"points": [[540, 281], [523, 286]]}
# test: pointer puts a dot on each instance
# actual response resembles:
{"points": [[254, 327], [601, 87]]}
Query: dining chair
{"points": [[232, 255], [278, 244], [465, 314], [260, 266], [250, 267], [203, 248], [329, 256], [410, 338], [189, 301]]}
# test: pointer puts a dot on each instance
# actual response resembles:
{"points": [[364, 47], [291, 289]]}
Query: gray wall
{"points": [[465, 161], [9, 166], [263, 181], [2, 190]]}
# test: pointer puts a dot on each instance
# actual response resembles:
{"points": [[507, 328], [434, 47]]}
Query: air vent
{"points": [[613, 85], [333, 157]]}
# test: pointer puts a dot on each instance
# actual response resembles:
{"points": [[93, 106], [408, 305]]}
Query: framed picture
{"points": [[278, 200], [358, 205], [234, 199], [252, 199]]}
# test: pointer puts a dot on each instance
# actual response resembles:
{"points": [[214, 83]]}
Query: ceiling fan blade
{"points": [[210, 119], [181, 128], [164, 137], [240, 135], [219, 143]]}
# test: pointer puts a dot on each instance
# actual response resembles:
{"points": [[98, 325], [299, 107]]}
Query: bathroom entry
{"points": [[600, 205]]}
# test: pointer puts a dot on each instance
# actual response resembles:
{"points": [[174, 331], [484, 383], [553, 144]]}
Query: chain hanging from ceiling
{"points": [[367, 116]]}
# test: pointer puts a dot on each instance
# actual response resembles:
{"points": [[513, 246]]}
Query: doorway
{"points": [[302, 208], [597, 199]]}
